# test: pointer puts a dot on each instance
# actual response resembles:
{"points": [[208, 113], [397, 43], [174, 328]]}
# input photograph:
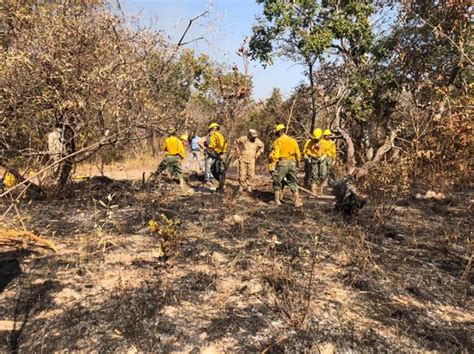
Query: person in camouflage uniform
{"points": [[248, 149]]}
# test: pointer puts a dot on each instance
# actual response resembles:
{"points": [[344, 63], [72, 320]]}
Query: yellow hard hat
{"points": [[9, 180], [327, 132], [213, 125], [184, 137], [317, 133], [279, 127]]}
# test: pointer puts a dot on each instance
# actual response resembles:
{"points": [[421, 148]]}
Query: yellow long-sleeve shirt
{"points": [[328, 148], [173, 146], [285, 148], [312, 148], [217, 142]]}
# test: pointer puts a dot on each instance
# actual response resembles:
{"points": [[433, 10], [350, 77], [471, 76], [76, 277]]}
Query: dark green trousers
{"points": [[285, 168], [173, 162], [317, 171]]}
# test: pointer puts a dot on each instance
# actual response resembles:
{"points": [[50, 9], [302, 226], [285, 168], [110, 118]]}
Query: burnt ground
{"points": [[237, 274]]}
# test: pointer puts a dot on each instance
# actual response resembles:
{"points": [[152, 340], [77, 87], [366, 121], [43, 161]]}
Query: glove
{"points": [[271, 167], [322, 158]]}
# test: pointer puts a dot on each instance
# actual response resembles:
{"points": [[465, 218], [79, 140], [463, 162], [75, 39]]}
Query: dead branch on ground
{"points": [[10, 238]]}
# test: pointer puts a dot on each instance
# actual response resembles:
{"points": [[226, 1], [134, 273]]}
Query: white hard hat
{"points": [[253, 133]]}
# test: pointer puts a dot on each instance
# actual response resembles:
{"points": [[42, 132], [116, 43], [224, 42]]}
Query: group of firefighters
{"points": [[319, 153]]}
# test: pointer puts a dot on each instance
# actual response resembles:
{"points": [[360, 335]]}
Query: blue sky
{"points": [[225, 27]]}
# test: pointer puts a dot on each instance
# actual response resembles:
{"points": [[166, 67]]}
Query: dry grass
{"points": [[11, 239], [131, 168]]}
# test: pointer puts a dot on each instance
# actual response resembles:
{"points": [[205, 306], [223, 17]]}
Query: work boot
{"points": [[323, 185], [183, 185], [298, 202], [277, 197], [185, 189]]}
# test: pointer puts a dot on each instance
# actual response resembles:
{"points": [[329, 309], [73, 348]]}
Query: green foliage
{"points": [[412, 77], [306, 30], [289, 29], [350, 21]]}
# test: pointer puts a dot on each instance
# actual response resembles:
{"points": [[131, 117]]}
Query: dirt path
{"points": [[239, 274]]}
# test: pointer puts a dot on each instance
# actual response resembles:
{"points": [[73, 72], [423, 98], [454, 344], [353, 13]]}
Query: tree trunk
{"points": [[350, 163], [69, 147], [368, 149], [313, 100], [381, 151], [350, 160]]}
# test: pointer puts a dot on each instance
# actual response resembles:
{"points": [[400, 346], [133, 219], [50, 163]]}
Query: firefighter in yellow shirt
{"points": [[174, 149], [328, 146], [311, 153], [327, 157], [284, 157], [217, 146]]}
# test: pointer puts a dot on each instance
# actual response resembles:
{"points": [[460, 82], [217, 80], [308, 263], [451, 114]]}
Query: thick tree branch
{"points": [[381, 151], [350, 163]]}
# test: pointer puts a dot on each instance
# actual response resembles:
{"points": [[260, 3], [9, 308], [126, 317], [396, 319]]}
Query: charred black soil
{"points": [[235, 273]]}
